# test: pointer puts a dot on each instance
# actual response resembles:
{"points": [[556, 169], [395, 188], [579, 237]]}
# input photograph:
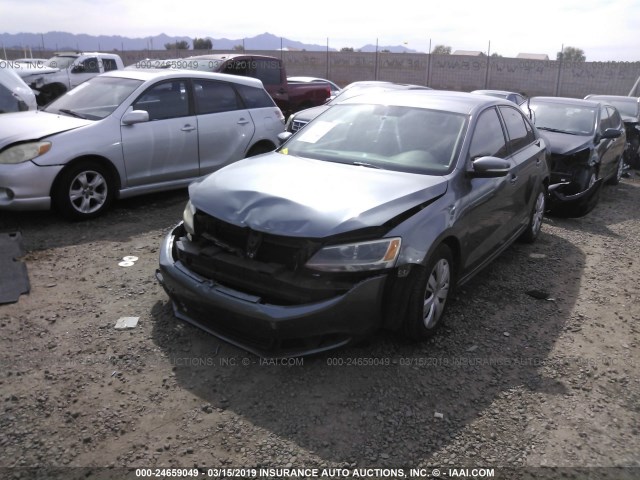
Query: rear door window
{"points": [[214, 97], [255, 97], [519, 131]]}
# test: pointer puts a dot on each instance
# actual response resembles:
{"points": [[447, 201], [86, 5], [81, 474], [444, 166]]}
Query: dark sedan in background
{"points": [[367, 218], [629, 108], [587, 140]]}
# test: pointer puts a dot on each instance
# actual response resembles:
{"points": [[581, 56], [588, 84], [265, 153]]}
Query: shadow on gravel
{"points": [[126, 220], [606, 213], [376, 404]]}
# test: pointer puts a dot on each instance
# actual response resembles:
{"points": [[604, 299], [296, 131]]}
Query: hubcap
{"points": [[88, 192], [436, 293], [620, 169], [538, 214]]}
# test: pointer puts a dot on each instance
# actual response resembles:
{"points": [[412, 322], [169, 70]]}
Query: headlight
{"points": [[24, 152], [356, 257], [187, 217]]}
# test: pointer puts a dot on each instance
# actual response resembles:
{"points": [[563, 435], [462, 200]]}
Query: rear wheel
{"points": [[615, 180], [430, 288], [259, 149], [83, 191], [535, 220]]}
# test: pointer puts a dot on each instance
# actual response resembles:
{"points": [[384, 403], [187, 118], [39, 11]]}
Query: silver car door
{"points": [[225, 127], [166, 147]]}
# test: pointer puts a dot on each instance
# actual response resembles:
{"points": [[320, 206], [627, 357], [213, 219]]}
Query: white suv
{"points": [[127, 133]]}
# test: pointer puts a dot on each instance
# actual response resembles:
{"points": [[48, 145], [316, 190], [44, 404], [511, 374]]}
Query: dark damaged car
{"points": [[587, 141], [629, 109], [367, 218]]}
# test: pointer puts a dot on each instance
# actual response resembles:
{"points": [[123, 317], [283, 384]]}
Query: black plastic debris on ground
{"points": [[14, 280]]}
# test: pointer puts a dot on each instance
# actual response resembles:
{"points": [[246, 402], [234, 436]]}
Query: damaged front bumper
{"points": [[561, 203], [265, 329]]}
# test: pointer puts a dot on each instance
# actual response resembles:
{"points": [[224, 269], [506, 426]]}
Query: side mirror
{"points": [[489, 167], [135, 116], [284, 136], [611, 133], [78, 69]]}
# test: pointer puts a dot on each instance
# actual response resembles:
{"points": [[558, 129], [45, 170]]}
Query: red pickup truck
{"points": [[290, 97]]}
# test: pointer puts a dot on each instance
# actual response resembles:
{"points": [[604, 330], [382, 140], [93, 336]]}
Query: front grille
{"points": [[290, 252], [268, 267], [297, 125]]}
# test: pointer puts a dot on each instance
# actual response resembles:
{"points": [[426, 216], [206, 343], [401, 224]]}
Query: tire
{"points": [[615, 180], [430, 288], [83, 191], [586, 178], [530, 235]]}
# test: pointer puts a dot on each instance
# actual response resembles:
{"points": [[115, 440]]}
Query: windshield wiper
{"points": [[72, 113], [556, 130], [369, 165]]}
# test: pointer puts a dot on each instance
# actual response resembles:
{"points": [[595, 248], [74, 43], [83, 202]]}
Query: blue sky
{"points": [[604, 30]]}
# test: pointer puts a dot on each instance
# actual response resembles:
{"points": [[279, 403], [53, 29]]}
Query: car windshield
{"points": [[60, 61], [628, 108], [573, 119], [94, 99], [400, 138]]}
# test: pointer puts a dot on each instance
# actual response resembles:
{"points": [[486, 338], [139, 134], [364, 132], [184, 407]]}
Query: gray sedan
{"points": [[366, 218], [128, 133]]}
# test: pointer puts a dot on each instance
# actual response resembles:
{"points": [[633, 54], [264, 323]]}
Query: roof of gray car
{"points": [[613, 97], [578, 102], [163, 73], [457, 102]]}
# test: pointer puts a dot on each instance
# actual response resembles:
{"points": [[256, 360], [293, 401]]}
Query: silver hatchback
{"points": [[128, 133]]}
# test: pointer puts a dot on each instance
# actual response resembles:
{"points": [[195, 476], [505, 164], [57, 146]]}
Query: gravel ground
{"points": [[512, 382]]}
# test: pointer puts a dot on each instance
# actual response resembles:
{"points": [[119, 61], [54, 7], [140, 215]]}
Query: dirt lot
{"points": [[512, 383]]}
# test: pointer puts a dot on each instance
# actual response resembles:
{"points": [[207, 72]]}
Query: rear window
{"points": [[255, 97]]}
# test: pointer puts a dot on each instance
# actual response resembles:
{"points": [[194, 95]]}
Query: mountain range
{"points": [[71, 41]]}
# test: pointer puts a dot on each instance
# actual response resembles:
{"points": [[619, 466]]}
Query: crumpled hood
{"points": [[293, 196], [565, 143], [33, 125]]}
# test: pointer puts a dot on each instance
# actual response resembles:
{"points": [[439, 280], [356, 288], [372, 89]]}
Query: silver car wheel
{"points": [[88, 191], [538, 214], [620, 169], [436, 293]]}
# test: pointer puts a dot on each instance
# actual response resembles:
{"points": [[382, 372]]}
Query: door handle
{"points": [[243, 121], [187, 128]]}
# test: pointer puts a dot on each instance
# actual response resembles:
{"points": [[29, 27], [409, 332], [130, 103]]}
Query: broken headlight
{"points": [[187, 217], [355, 257]]}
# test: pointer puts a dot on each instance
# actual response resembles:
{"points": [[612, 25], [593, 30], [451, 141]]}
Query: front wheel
{"points": [[83, 191], [586, 178], [430, 288], [535, 220]]}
